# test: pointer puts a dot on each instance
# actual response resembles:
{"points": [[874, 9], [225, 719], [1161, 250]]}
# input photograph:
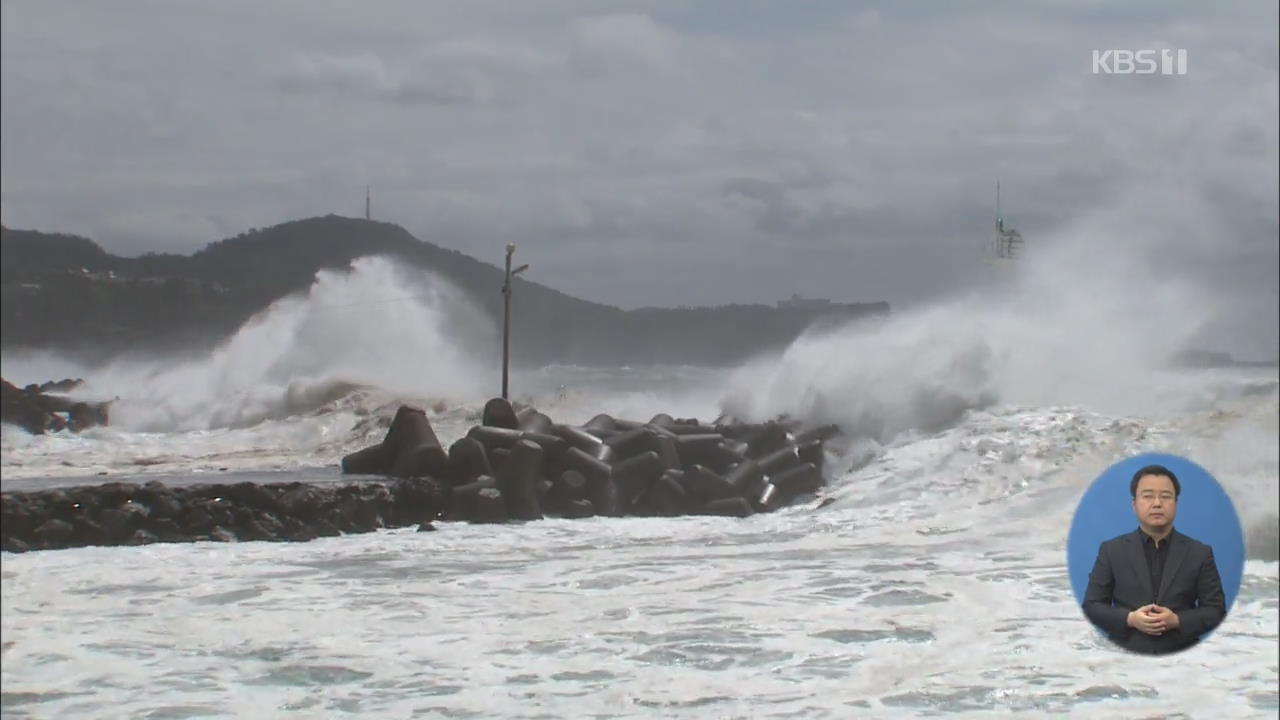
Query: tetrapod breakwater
{"points": [[516, 465]]}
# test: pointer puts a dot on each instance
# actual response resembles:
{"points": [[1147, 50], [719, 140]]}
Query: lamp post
{"points": [[506, 315]]}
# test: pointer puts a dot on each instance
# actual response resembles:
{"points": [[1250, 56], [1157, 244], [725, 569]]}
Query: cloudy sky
{"points": [[659, 153]]}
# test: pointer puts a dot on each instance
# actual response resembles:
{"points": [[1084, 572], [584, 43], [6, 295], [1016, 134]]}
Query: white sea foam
{"points": [[934, 583]]}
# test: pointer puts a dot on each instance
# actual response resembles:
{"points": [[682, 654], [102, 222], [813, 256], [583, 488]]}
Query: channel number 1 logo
{"points": [[1140, 62]]}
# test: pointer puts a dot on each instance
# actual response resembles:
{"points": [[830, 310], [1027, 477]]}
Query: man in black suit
{"points": [[1155, 590]]}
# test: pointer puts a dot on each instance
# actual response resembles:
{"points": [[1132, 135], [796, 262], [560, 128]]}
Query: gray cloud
{"points": [[719, 152]]}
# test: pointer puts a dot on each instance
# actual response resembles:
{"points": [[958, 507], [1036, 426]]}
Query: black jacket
{"points": [[1121, 582]]}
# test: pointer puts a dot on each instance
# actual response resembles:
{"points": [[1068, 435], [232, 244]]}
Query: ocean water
{"points": [[932, 581]]}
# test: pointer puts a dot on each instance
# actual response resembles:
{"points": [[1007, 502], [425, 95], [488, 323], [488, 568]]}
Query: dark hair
{"points": [[1154, 470]]}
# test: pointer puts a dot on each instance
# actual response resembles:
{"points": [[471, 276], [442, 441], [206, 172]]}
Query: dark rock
{"points": [[578, 438], [803, 478], [220, 534], [426, 527], [462, 503], [19, 408], [498, 413], [20, 514], [819, 434], [634, 475], [89, 532], [360, 514], [60, 386], [270, 526], [412, 446], [142, 537], [630, 443], [766, 438], [489, 507], [705, 485], [600, 488], [746, 478], [167, 530], [605, 454], [553, 448], [665, 445], [731, 507], [779, 460], [162, 504], [811, 452], [697, 449], [690, 428], [219, 512], [494, 438], [253, 495], [196, 519], [54, 533], [37, 412], [614, 467], [725, 455], [418, 500], [324, 528], [530, 420], [122, 522], [601, 422], [83, 415], [578, 509], [294, 530], [373, 460], [302, 501], [667, 495], [468, 460], [498, 458], [568, 486], [517, 480], [112, 494]]}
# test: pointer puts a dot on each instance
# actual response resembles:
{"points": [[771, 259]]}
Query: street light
{"points": [[506, 315]]}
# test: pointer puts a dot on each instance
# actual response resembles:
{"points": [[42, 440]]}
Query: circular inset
{"points": [[1155, 553]]}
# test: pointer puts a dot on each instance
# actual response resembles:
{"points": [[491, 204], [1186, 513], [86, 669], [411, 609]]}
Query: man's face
{"points": [[1155, 503]]}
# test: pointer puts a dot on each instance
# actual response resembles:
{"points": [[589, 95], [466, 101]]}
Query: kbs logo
{"points": [[1140, 62]]}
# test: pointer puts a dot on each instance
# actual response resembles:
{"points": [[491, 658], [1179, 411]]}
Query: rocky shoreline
{"points": [[517, 466], [131, 514], [36, 410]]}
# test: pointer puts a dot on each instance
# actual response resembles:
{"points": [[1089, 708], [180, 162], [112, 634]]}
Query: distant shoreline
{"points": [[66, 294]]}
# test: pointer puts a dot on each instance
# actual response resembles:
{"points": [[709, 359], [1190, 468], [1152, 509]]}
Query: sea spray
{"points": [[1088, 319], [371, 326]]}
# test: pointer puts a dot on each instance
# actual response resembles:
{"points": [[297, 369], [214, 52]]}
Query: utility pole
{"points": [[1008, 241], [506, 315]]}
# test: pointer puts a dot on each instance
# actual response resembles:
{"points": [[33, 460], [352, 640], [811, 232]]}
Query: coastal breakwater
{"points": [[524, 466], [41, 408], [514, 466]]}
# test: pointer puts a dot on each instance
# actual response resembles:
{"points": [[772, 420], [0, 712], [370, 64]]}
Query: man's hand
{"points": [[1168, 619], [1145, 620]]}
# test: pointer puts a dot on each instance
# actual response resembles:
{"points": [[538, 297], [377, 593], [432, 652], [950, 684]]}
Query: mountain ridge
{"points": [[66, 292]]}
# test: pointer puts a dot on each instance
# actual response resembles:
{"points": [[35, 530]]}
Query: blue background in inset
{"points": [[1205, 513]]}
